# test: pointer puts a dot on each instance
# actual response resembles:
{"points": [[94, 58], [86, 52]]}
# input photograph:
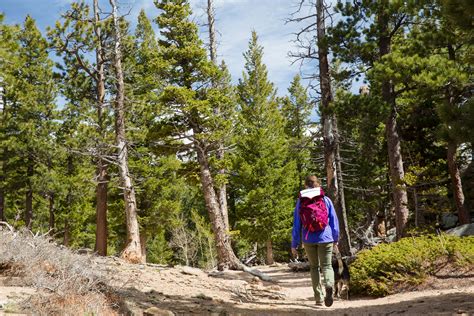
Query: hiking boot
{"points": [[328, 299]]}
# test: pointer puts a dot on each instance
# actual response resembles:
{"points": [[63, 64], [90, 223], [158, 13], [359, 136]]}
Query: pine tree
{"points": [[296, 108], [265, 179], [8, 62], [77, 42], [29, 93], [189, 101]]}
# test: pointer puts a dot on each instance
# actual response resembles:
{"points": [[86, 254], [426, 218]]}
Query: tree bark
{"points": [[52, 221], [143, 241], [330, 133], [29, 196], [225, 255], [397, 173], [2, 198], [463, 214], [222, 188], [101, 210], [101, 170], [67, 233], [132, 251], [269, 252]]}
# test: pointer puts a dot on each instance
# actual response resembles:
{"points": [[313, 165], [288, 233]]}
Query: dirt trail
{"points": [[188, 291]]}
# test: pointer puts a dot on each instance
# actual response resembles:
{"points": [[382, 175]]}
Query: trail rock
{"points": [[155, 311], [191, 271]]}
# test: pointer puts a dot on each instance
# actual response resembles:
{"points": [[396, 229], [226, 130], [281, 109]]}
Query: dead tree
{"points": [[222, 187], [133, 250], [317, 50]]}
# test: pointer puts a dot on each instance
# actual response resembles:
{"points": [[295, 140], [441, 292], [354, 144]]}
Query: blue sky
{"points": [[235, 21]]}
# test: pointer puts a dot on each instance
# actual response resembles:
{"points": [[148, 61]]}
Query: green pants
{"points": [[320, 255]]}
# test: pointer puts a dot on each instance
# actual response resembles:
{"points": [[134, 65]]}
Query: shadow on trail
{"points": [[448, 304]]}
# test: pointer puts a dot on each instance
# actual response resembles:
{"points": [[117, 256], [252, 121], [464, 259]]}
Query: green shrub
{"points": [[387, 267]]}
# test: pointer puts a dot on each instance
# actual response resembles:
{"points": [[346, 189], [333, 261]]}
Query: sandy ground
{"points": [[188, 291]]}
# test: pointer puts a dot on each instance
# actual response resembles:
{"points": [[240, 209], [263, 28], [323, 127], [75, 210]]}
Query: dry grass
{"points": [[66, 283]]}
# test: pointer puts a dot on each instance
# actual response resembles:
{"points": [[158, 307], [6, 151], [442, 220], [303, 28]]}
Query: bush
{"points": [[387, 267]]}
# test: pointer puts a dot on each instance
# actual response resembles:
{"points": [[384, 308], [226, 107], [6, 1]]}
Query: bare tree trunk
{"points": [[52, 222], [132, 251], [330, 134], [345, 245], [397, 173], [269, 252], [101, 209], [67, 233], [143, 241], [225, 255], [222, 187], [2, 199], [101, 170], [212, 32], [29, 197], [417, 210], [455, 175]]}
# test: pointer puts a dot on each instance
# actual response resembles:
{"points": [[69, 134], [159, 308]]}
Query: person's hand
{"points": [[294, 252]]}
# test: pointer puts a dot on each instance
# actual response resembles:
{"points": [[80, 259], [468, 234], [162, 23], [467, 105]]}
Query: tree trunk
{"points": [[2, 199], [269, 252], [222, 188], [101, 170], [101, 210], [455, 175], [143, 241], [463, 214], [212, 31], [67, 233], [226, 257], [330, 133], [52, 222], [345, 244], [132, 251], [397, 173], [29, 197]]}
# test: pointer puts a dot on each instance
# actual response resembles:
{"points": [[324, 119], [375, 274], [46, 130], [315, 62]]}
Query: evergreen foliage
{"points": [[387, 268], [265, 179]]}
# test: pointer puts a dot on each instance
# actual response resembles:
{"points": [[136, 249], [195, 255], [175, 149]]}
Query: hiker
{"points": [[315, 219]]}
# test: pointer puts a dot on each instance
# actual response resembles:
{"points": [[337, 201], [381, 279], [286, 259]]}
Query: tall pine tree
{"points": [[264, 177]]}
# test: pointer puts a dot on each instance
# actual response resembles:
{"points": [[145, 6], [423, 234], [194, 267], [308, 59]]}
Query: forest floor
{"points": [[161, 290]]}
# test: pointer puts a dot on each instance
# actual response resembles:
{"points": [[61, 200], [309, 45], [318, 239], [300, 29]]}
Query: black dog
{"points": [[341, 277]]}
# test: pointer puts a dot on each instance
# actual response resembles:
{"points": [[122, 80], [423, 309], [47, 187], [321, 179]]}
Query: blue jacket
{"points": [[329, 234]]}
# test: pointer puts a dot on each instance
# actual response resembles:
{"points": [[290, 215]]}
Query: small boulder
{"points": [[155, 311], [463, 230]]}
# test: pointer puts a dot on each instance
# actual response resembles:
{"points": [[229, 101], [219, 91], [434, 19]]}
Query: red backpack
{"points": [[313, 211]]}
